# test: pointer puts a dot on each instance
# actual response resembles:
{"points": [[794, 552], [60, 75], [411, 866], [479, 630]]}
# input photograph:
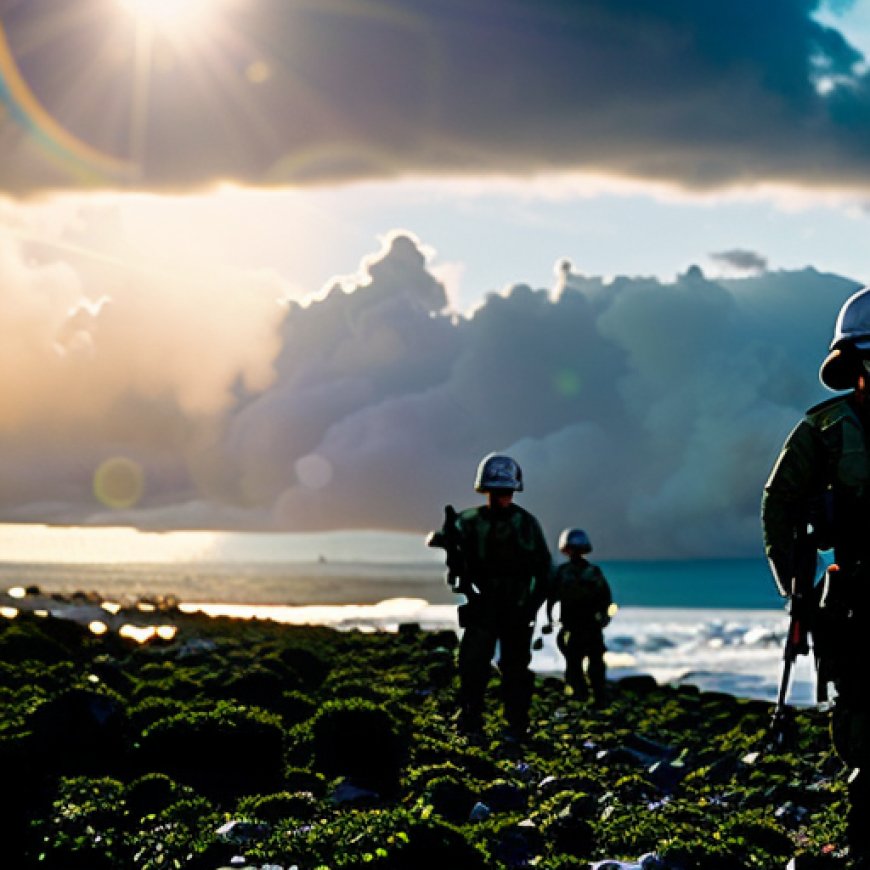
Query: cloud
{"points": [[103, 361], [269, 93], [740, 260], [647, 412]]}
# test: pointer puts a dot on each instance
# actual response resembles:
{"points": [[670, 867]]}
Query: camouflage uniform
{"points": [[822, 476], [584, 597], [508, 561]]}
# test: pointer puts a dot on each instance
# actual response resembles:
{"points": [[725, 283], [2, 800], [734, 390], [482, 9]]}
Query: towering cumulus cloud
{"points": [[269, 91], [649, 412]]}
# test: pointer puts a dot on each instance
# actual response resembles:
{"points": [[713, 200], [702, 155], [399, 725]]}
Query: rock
{"points": [[570, 834], [646, 748], [722, 770], [360, 740], [667, 775], [348, 793], [640, 684], [517, 846], [242, 832], [790, 815], [614, 865], [502, 796], [479, 812], [525, 771], [196, 646], [450, 798], [718, 699], [80, 729]]}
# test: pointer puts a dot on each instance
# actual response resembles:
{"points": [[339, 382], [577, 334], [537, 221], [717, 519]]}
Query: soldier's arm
{"points": [[542, 563], [467, 532], [603, 597], [552, 592], [606, 594], [797, 477]]}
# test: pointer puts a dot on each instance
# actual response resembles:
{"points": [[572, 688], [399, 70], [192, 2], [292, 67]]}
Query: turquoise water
{"points": [[725, 584]]}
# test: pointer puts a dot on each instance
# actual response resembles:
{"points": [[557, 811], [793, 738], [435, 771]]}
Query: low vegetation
{"points": [[248, 744]]}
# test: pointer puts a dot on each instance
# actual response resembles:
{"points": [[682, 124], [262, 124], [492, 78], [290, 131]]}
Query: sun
{"points": [[168, 15]]}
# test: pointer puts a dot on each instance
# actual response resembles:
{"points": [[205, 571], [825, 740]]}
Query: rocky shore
{"points": [[248, 744]]}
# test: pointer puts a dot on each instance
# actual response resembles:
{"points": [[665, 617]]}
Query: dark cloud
{"points": [[269, 92], [648, 412], [741, 259]]}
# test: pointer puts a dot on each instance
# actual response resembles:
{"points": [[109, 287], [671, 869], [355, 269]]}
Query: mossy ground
{"points": [[124, 756]]}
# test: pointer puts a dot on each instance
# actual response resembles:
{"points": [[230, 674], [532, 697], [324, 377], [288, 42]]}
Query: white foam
{"points": [[735, 651]]}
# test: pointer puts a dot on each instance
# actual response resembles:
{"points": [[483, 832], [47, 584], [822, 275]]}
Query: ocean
{"points": [[717, 624]]}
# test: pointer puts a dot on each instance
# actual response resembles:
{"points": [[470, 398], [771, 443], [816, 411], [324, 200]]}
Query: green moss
{"points": [[188, 750], [360, 740], [219, 751]]}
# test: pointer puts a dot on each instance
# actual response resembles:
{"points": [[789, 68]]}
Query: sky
{"points": [[284, 265]]}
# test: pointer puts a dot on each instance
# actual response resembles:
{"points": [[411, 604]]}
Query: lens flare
{"points": [[313, 471], [79, 159], [119, 483]]}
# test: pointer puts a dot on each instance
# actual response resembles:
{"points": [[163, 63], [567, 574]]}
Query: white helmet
{"points": [[851, 339], [574, 539], [497, 471]]}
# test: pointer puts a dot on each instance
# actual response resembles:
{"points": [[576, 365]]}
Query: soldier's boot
{"points": [[469, 722], [517, 697]]}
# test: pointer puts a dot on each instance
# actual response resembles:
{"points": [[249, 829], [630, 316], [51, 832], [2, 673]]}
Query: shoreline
{"points": [[735, 651]]}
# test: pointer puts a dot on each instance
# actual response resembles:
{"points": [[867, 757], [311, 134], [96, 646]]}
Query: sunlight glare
{"points": [[139, 633], [167, 14]]}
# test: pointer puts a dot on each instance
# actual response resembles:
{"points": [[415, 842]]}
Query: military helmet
{"points": [[851, 341], [574, 539], [497, 471]]}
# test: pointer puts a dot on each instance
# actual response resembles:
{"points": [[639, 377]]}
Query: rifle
{"points": [[448, 539], [803, 603]]}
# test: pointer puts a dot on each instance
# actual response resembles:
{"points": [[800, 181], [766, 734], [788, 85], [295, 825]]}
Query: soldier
{"points": [[504, 570], [821, 483], [584, 603]]}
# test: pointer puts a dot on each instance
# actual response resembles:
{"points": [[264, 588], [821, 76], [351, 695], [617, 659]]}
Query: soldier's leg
{"points": [[567, 643], [850, 728], [517, 679], [597, 670], [476, 650], [579, 683]]}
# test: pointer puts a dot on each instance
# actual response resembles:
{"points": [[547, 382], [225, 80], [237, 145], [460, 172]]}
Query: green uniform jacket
{"points": [[583, 593], [506, 556], [822, 477]]}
